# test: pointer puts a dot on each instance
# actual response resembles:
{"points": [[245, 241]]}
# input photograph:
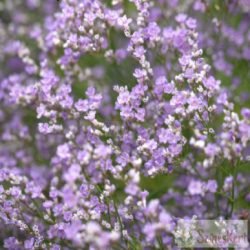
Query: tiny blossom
{"points": [[29, 244], [228, 183], [195, 187], [82, 105], [212, 186], [63, 151]]}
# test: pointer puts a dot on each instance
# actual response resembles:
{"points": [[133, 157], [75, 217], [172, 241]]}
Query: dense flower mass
{"points": [[118, 117]]}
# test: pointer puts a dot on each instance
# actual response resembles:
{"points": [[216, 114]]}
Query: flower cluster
{"points": [[118, 117]]}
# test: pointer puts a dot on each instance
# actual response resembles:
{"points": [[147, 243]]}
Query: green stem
{"points": [[232, 200], [217, 196]]}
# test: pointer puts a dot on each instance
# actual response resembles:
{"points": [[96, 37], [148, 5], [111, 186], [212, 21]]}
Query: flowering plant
{"points": [[120, 116]]}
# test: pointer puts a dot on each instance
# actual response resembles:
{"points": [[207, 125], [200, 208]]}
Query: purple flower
{"points": [[82, 106], [63, 151], [196, 187], [29, 244], [11, 243], [212, 150], [211, 83], [191, 23], [167, 136], [181, 18], [211, 186]]}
